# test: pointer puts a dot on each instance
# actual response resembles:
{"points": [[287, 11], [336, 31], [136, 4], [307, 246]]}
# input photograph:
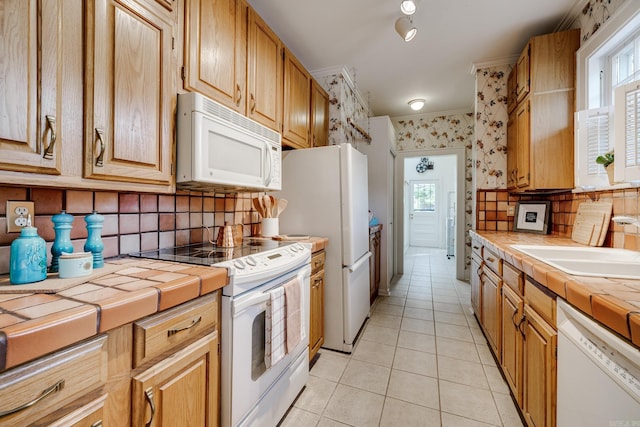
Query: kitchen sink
{"points": [[587, 261]]}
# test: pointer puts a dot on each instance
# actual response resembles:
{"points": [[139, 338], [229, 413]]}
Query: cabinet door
{"points": [[476, 287], [523, 143], [215, 50], [512, 89], [30, 86], [129, 91], [181, 390], [512, 151], [319, 115], [264, 80], [512, 314], [491, 309], [296, 130], [540, 346], [523, 73], [316, 324]]}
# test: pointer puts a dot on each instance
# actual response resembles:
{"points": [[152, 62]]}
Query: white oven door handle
{"points": [[263, 297], [238, 308]]}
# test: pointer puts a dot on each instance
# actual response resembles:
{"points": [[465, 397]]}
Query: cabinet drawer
{"points": [[512, 277], [161, 332], [541, 301], [491, 275], [317, 261], [492, 260], [52, 382], [476, 247]]}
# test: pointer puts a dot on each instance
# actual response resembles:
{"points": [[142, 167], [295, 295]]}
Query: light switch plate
{"points": [[18, 213]]}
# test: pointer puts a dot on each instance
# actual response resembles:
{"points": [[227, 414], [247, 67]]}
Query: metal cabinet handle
{"points": [[491, 259], [238, 94], [97, 424], [171, 332], [513, 318], [51, 124], [100, 159], [252, 103], [46, 392], [148, 394], [520, 327]]}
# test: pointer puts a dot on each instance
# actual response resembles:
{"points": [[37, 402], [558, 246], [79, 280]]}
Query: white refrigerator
{"points": [[327, 190]]}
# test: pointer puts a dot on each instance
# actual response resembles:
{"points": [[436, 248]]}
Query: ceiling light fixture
{"points": [[405, 28], [416, 104], [408, 7]]}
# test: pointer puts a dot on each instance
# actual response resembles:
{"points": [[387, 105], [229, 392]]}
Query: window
{"points": [[424, 197], [609, 60]]}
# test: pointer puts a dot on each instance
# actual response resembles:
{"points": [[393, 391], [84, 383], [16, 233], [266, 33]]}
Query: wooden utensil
{"points": [[282, 204], [274, 206], [267, 206], [257, 205]]}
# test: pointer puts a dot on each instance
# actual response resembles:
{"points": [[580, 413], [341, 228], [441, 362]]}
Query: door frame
{"points": [[460, 194]]}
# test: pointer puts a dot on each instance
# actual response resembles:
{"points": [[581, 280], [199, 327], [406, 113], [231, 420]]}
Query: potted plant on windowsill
{"points": [[606, 160]]}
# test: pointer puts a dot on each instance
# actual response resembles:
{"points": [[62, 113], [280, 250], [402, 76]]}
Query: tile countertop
{"points": [[34, 324], [613, 302]]}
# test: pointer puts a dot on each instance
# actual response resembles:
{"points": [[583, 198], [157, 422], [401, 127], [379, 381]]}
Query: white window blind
{"points": [[627, 129], [593, 138]]}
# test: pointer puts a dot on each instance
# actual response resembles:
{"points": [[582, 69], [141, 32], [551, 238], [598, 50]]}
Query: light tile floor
{"points": [[421, 360]]}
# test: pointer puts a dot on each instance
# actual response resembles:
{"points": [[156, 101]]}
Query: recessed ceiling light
{"points": [[408, 7], [416, 104]]}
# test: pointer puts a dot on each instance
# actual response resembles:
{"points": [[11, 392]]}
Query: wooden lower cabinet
{"points": [[539, 372], [374, 261], [316, 314], [181, 390], [491, 309], [476, 286], [512, 341]]}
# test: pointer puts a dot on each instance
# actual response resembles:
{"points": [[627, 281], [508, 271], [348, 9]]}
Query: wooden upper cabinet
{"points": [[129, 91], [552, 61], [296, 103], [215, 50], [30, 93], [522, 74], [523, 143], [512, 150], [512, 90], [264, 74], [319, 115]]}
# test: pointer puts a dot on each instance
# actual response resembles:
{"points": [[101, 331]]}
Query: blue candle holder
{"points": [[62, 243], [94, 244]]}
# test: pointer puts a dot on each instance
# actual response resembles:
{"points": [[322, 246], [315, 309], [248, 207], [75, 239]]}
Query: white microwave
{"points": [[219, 149]]}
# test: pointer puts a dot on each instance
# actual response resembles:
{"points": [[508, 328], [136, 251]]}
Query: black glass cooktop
{"points": [[208, 254]]}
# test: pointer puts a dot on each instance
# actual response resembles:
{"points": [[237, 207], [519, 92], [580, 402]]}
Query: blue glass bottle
{"points": [[28, 257], [62, 225], [94, 241]]}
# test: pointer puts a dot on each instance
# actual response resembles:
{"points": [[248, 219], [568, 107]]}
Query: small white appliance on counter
{"points": [[218, 148], [598, 374], [327, 190]]}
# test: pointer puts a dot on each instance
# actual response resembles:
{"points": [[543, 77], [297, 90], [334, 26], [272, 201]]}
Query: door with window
{"points": [[424, 217]]}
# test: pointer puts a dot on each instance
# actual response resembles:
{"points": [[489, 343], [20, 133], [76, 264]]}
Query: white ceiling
{"points": [[436, 65]]}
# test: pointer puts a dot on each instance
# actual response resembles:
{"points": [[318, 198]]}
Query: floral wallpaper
{"points": [[594, 14], [427, 132], [343, 105], [490, 150]]}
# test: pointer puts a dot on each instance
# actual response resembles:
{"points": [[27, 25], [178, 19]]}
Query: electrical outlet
{"points": [[511, 210], [17, 215]]}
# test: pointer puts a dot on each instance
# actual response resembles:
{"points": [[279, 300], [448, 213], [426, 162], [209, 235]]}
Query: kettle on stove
{"points": [[229, 236]]}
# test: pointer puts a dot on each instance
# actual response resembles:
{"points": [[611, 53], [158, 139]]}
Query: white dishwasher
{"points": [[598, 374]]}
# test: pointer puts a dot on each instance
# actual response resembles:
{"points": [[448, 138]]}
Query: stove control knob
{"points": [[294, 249], [239, 264], [300, 247], [251, 261]]}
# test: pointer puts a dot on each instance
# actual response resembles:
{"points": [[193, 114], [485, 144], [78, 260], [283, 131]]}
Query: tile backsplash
{"points": [[492, 207], [132, 221]]}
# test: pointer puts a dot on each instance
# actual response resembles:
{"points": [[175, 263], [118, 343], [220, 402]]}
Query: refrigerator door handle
{"points": [[358, 263]]}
